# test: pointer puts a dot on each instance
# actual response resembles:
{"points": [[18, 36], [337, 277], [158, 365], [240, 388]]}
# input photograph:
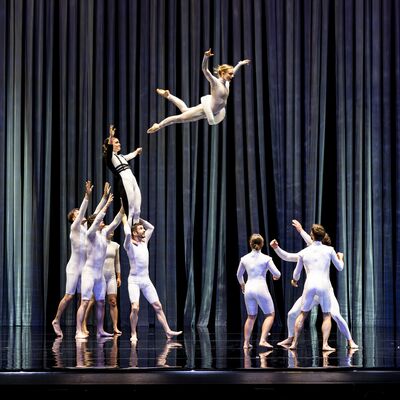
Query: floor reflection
{"points": [[32, 349]]}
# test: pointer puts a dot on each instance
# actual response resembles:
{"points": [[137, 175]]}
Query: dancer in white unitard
{"points": [[255, 290], [296, 309], [112, 275], [135, 244], [78, 252], [93, 281], [212, 106], [128, 187], [316, 260]]}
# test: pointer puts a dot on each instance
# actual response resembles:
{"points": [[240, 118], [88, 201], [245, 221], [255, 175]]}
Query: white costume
{"points": [[92, 274], [78, 249], [111, 267], [212, 106], [316, 260], [296, 308], [138, 254], [256, 264]]}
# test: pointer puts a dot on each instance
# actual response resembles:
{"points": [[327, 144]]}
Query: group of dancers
{"points": [[316, 259], [94, 269]]}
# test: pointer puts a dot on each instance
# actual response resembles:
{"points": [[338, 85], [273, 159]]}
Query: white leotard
{"points": [[138, 255], [256, 264]]}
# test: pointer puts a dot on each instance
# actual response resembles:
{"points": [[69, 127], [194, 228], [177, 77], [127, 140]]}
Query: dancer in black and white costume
{"points": [[135, 244], [128, 187], [212, 106], [255, 290]]}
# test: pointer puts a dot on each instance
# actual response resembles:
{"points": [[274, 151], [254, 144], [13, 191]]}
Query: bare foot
{"points": [[293, 347], [352, 345], [104, 334], [171, 334], [326, 347], [264, 343], [286, 342], [247, 345], [163, 92], [134, 339], [80, 335], [117, 331], [154, 128], [57, 328]]}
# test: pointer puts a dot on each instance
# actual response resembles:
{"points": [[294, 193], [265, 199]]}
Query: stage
{"points": [[33, 361]]}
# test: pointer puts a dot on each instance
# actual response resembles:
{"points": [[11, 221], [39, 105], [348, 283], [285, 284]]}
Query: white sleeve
{"points": [[285, 256], [240, 272], [298, 269], [306, 237], [272, 268]]}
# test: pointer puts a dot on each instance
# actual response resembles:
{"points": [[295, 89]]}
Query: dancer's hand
{"points": [[208, 53], [138, 151], [297, 225], [244, 62], [294, 283], [274, 244]]}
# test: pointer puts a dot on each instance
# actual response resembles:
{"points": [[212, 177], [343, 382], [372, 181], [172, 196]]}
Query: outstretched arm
{"points": [[284, 255], [239, 64], [133, 154]]}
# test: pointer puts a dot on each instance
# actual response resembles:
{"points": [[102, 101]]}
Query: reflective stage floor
{"points": [[31, 360]]}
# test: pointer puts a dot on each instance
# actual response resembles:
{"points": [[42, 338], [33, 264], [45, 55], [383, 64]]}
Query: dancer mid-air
{"points": [[212, 106]]}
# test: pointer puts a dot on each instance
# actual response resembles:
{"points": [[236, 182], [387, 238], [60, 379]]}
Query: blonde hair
{"points": [[220, 69], [256, 241]]}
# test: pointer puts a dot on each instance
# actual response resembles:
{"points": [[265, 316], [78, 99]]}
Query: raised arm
{"points": [[103, 200], [114, 224], [82, 209], [204, 66], [239, 64], [148, 227], [306, 237]]}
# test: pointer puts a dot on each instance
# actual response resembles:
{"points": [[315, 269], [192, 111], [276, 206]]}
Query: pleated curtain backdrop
{"points": [[311, 133]]}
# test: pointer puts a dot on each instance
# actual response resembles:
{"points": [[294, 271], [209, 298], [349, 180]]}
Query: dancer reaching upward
{"points": [[78, 252], [212, 106], [135, 244]]}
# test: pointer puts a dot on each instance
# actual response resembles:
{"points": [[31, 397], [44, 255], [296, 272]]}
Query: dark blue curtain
{"points": [[312, 132]]}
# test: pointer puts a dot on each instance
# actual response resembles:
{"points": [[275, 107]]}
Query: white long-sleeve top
{"points": [[316, 260], [256, 264], [138, 253]]}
